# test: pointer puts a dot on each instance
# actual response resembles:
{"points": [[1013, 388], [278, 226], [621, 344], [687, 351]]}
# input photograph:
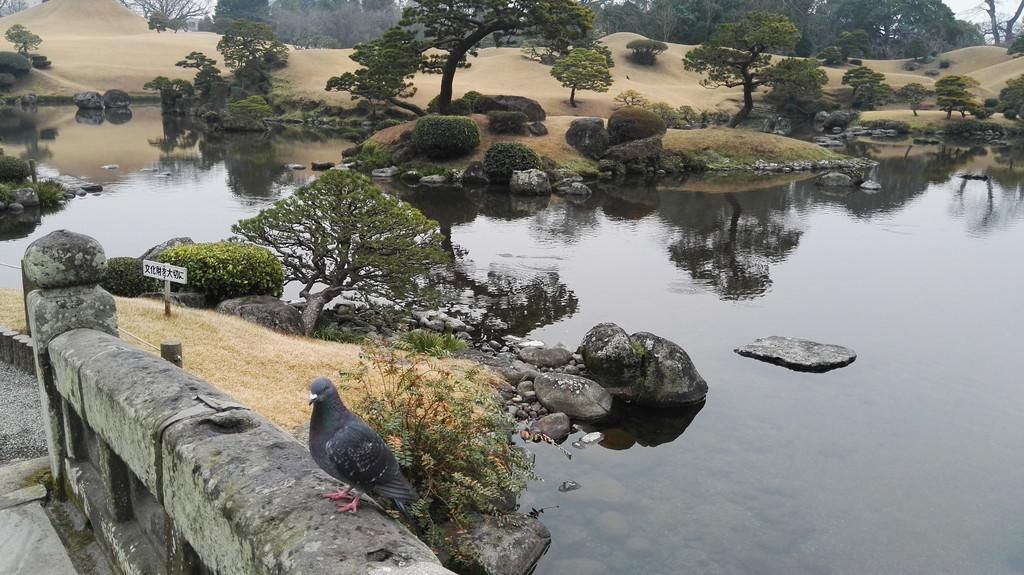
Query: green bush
{"points": [[981, 113], [14, 63], [7, 80], [1010, 114], [630, 123], [945, 64], [445, 137], [330, 333], [124, 278], [503, 158], [832, 56], [49, 192], [991, 102], [669, 115], [228, 270], [507, 122], [646, 51], [458, 106], [249, 111], [966, 127], [372, 156], [470, 98], [450, 437], [13, 169], [40, 62], [856, 61], [901, 127], [430, 343]]}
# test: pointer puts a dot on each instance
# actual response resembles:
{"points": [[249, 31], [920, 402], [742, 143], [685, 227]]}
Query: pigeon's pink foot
{"points": [[339, 495], [350, 507]]}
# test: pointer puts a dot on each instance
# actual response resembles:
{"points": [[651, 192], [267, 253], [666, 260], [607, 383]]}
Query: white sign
{"points": [[165, 272]]}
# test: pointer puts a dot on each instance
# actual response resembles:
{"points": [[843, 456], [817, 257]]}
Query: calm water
{"points": [[908, 461]]}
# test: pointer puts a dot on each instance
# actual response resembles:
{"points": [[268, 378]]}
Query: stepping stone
{"points": [[798, 354]]}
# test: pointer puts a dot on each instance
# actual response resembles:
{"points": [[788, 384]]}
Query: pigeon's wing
{"points": [[362, 458]]}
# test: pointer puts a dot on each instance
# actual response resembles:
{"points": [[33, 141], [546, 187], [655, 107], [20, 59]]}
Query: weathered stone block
{"points": [[52, 312], [62, 258]]}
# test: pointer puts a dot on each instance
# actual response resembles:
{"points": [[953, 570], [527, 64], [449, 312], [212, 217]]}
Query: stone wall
{"points": [[173, 475], [17, 349]]}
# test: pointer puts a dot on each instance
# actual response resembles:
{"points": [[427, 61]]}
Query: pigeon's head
{"points": [[321, 389]]}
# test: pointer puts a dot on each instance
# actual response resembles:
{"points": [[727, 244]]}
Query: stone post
{"points": [[64, 270]]}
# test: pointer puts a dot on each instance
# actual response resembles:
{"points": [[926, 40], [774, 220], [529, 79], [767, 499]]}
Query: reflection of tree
{"points": [[629, 200], [728, 241], [566, 220], [987, 205], [19, 127]]}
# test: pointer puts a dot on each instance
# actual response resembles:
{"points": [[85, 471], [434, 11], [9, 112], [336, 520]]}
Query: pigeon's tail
{"points": [[400, 506]]}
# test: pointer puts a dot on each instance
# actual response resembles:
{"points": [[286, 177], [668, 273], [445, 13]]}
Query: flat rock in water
{"points": [[798, 354]]}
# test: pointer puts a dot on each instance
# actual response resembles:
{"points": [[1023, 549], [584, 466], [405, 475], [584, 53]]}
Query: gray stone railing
{"points": [[173, 475]]}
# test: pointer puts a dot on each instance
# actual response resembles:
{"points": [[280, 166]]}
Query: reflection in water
{"points": [[89, 117], [631, 425], [118, 115], [14, 226]]}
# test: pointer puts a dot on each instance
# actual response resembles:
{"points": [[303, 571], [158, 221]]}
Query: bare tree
{"points": [[172, 9], [8, 7]]}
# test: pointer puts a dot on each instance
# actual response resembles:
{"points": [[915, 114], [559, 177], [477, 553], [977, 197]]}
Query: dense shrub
{"points": [[503, 158], [14, 63], [7, 80], [671, 116], [981, 113], [13, 169], [970, 125], [507, 122], [444, 137], [49, 192], [457, 107], [124, 278], [856, 61], [228, 270], [470, 99], [1017, 47], [832, 56], [646, 51], [249, 110], [40, 62], [991, 102], [1010, 114], [450, 437], [372, 156], [945, 64], [901, 127], [430, 343], [628, 124]]}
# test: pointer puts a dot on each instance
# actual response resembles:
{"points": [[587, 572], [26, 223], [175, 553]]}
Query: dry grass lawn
{"points": [[268, 371], [98, 44], [928, 119]]}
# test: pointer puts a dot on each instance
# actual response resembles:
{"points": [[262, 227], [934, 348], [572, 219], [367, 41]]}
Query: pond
{"points": [[907, 461]]}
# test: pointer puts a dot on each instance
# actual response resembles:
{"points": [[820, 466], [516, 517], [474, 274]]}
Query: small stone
{"points": [[295, 166], [524, 387], [578, 445], [389, 172], [92, 188], [592, 437], [111, 167], [568, 486]]}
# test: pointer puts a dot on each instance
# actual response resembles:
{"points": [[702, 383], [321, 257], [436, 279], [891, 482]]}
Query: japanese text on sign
{"points": [[166, 272]]}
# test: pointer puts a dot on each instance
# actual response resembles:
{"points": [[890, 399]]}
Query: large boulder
{"points": [[533, 110], [88, 101], [588, 136], [669, 377], [834, 180], [266, 311], [575, 396], [610, 356], [545, 356], [645, 150], [509, 548], [153, 253], [116, 99], [475, 174], [530, 183], [643, 368]]}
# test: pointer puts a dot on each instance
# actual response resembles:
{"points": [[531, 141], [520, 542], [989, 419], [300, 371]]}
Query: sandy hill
{"points": [[98, 44]]}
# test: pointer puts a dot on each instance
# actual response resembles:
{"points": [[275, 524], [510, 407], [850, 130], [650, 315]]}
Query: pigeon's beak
{"points": [[313, 397]]}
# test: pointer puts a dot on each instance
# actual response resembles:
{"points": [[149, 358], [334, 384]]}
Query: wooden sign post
{"points": [[169, 274]]}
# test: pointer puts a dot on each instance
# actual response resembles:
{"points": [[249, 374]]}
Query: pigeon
{"points": [[349, 450]]}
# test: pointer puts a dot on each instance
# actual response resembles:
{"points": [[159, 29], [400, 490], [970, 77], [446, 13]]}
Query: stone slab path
{"points": [[29, 545]]}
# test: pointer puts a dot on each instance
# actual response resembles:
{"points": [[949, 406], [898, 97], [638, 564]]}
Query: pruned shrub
{"points": [[450, 437], [969, 126], [1010, 114], [832, 56], [671, 116], [124, 278], [856, 61], [40, 62], [444, 137], [227, 270], [13, 169], [14, 63], [503, 158], [248, 113], [507, 122], [945, 64], [430, 343], [646, 51], [470, 98], [7, 80], [630, 123], [901, 127], [457, 107], [991, 102]]}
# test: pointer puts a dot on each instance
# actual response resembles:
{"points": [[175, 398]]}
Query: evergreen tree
{"points": [[953, 94], [583, 69]]}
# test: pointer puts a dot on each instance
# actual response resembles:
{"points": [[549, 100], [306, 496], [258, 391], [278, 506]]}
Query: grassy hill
{"points": [[99, 44]]}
